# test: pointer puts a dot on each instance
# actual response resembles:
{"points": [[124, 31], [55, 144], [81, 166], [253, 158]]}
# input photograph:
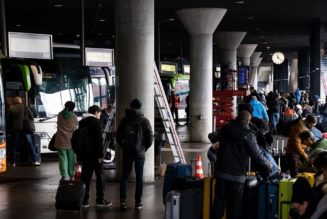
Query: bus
{"points": [[62, 79], [179, 82]]}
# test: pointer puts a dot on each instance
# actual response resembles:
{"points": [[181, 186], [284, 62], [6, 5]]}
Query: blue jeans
{"points": [[17, 135], [274, 120], [127, 168]]}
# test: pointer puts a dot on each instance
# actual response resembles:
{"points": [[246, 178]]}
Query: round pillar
{"points": [[201, 23], [135, 65]]}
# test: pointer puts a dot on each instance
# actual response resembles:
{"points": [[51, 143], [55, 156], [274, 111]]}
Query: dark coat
{"points": [[133, 114], [94, 149], [237, 143]]}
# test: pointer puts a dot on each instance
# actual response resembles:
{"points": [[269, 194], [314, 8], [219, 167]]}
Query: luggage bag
{"points": [[268, 200], [284, 197], [70, 195], [172, 209], [173, 172]]}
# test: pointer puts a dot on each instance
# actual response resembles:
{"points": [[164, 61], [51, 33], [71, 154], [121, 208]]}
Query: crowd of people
{"points": [[302, 119]]}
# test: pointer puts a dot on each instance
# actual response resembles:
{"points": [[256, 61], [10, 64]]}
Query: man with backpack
{"points": [[87, 144], [135, 136]]}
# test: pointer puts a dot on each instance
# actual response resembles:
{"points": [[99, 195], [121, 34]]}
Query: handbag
{"points": [[28, 123], [51, 146]]}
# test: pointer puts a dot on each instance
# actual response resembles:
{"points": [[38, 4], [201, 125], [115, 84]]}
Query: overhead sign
{"points": [[168, 67], [30, 45], [243, 75], [99, 57]]}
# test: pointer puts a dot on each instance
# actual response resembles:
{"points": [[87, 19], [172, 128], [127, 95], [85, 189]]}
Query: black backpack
{"points": [[79, 141], [133, 136]]}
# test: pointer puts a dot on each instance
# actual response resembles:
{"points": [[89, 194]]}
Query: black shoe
{"points": [[85, 204], [103, 203], [139, 206], [123, 206]]}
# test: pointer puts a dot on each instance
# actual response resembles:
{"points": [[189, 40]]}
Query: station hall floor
{"points": [[28, 192]]}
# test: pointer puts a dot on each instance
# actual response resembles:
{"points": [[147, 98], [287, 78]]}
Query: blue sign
{"points": [[243, 75]]}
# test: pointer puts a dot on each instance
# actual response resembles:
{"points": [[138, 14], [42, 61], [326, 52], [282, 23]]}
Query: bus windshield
{"points": [[72, 83]]}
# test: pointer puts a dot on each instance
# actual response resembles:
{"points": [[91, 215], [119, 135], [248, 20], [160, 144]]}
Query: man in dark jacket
{"points": [[135, 136], [237, 142], [91, 156]]}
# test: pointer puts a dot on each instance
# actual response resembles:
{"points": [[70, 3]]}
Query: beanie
{"points": [[136, 104]]}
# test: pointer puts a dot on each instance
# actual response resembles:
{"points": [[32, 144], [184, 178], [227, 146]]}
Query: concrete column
{"points": [[254, 65], [135, 65], [201, 23], [227, 43], [315, 58], [303, 68], [245, 51], [293, 82]]}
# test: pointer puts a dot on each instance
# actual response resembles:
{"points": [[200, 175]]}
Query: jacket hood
{"points": [[133, 113], [86, 115], [66, 114]]}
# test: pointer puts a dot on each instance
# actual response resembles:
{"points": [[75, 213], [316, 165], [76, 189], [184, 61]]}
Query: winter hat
{"points": [[136, 104]]}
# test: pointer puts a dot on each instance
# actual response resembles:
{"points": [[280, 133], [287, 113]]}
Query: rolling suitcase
{"points": [[209, 184], [172, 209], [268, 200], [250, 198], [191, 204], [284, 197], [70, 195], [173, 172]]}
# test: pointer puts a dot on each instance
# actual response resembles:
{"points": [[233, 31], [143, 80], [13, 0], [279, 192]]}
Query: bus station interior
{"points": [[201, 36]]}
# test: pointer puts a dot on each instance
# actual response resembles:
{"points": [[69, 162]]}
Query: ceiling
{"points": [[273, 25]]}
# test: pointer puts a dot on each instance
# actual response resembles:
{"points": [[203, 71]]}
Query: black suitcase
{"points": [[70, 195], [191, 204]]}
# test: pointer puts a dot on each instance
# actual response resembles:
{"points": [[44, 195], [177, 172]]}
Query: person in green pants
{"points": [[66, 124]]}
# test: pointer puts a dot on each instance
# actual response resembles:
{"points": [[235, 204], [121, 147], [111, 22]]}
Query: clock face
{"points": [[278, 58]]}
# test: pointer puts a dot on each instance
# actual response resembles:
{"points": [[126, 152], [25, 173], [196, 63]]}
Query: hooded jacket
{"points": [[134, 114], [66, 124], [94, 149], [237, 143]]}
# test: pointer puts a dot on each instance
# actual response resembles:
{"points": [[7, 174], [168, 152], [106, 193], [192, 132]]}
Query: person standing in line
{"points": [[173, 103], [17, 114], [135, 136], [91, 156], [105, 113], [66, 124], [237, 142]]}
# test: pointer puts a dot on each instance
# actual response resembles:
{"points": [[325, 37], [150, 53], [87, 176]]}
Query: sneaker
{"points": [[85, 204], [103, 203], [123, 205], [139, 206], [36, 163]]}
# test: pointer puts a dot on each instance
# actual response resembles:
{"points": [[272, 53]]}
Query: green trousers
{"points": [[67, 160]]}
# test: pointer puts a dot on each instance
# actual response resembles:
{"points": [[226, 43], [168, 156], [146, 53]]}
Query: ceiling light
{"points": [[77, 35], [240, 2], [265, 42], [268, 47], [171, 19], [102, 20], [18, 25], [249, 18], [58, 5]]}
